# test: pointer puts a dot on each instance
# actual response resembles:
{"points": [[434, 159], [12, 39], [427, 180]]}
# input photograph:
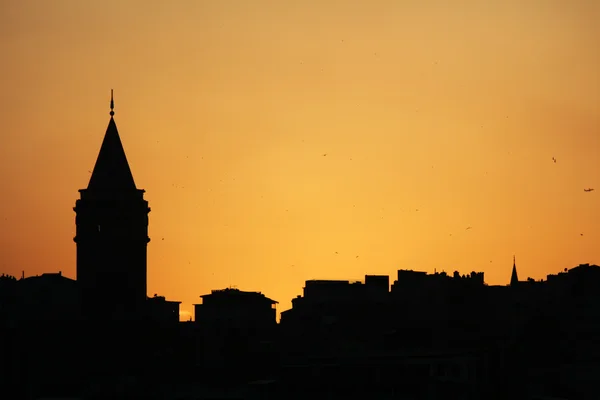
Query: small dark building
{"points": [[336, 317], [377, 286], [236, 332], [50, 297], [234, 308], [321, 294], [162, 310]]}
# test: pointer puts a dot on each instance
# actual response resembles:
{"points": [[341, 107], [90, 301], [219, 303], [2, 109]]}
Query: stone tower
{"points": [[112, 236]]}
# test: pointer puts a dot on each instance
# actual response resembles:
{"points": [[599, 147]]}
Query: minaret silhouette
{"points": [[112, 236], [514, 279]]}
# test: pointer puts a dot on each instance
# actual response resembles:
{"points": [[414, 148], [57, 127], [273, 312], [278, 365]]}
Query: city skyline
{"points": [[302, 165]]}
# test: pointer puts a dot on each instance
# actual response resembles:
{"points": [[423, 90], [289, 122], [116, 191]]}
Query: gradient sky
{"points": [[226, 109]]}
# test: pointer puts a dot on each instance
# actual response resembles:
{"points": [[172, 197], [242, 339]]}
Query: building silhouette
{"points": [[235, 329], [162, 310], [112, 236], [47, 298], [427, 336], [236, 309]]}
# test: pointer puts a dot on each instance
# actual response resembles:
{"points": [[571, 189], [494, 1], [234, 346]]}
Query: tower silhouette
{"points": [[112, 236]]}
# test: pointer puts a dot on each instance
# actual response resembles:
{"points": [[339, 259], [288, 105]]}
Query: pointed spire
{"points": [[514, 279], [112, 104], [111, 172]]}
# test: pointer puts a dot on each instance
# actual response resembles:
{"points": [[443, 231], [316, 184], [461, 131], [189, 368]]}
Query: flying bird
{"points": [[554, 159], [588, 190], [468, 227]]}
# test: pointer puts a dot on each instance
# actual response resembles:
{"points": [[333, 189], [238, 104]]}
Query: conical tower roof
{"points": [[111, 172]]}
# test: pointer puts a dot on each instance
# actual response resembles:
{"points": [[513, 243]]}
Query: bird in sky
{"points": [[554, 159], [588, 190]]}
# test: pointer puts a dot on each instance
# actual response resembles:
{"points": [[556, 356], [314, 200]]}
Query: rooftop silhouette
{"points": [[424, 336]]}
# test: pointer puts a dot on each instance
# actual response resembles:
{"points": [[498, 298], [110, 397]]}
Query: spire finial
{"points": [[514, 260], [112, 103]]}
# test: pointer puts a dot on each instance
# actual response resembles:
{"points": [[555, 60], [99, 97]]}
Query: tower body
{"points": [[112, 237]]}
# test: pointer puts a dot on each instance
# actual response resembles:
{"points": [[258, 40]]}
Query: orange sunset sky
{"points": [[226, 110]]}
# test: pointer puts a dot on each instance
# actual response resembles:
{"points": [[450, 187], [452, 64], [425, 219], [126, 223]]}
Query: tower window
{"points": [[98, 228]]}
